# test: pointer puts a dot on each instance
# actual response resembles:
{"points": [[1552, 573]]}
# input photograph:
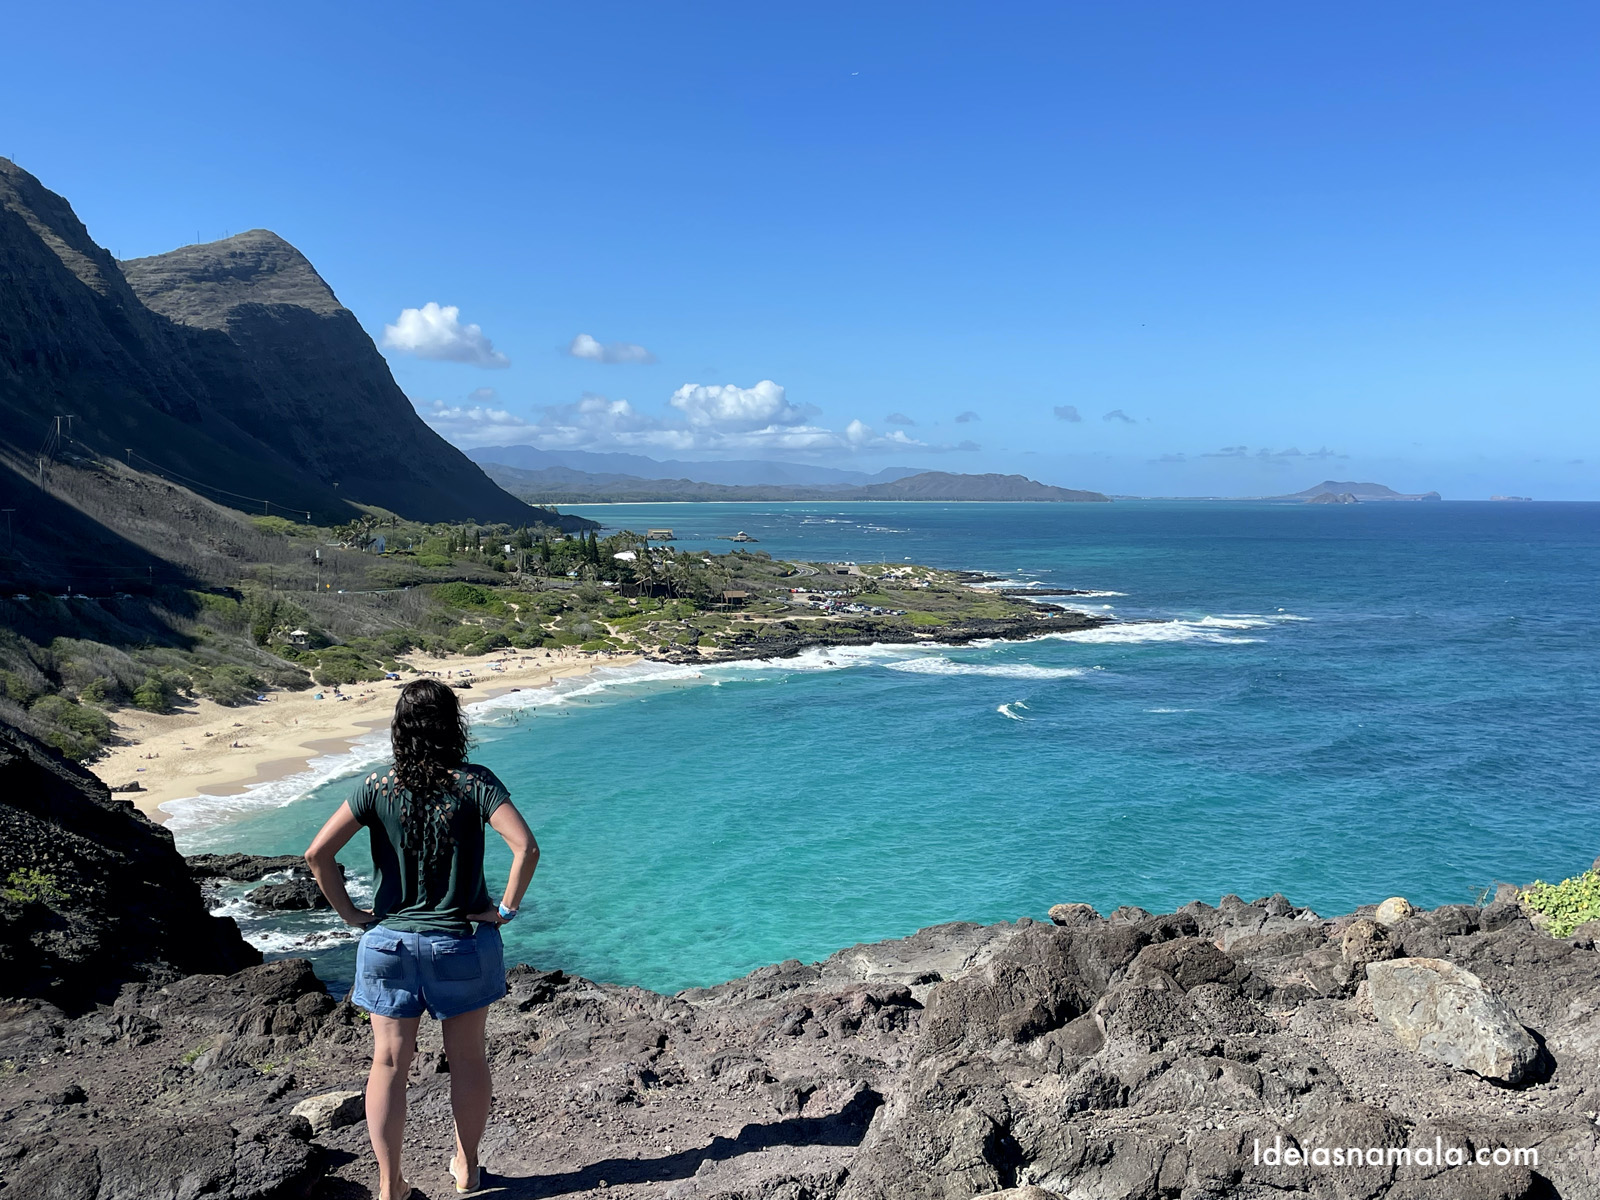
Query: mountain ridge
{"points": [[727, 472], [230, 365], [567, 486]]}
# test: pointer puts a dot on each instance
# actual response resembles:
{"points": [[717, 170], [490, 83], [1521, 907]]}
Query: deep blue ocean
{"points": [[1340, 703]]}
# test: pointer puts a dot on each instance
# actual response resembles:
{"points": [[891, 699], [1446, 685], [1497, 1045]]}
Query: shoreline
{"points": [[209, 749]]}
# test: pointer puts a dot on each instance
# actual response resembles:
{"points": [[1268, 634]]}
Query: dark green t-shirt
{"points": [[438, 896]]}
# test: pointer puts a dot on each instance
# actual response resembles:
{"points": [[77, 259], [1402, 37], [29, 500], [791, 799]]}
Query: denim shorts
{"points": [[399, 974]]}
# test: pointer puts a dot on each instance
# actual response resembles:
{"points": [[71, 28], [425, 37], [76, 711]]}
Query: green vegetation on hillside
{"points": [[270, 603]]}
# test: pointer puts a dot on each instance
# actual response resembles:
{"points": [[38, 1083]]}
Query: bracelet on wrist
{"points": [[507, 914]]}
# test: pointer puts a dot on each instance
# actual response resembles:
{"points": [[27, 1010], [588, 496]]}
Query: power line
{"points": [[54, 438], [178, 477]]}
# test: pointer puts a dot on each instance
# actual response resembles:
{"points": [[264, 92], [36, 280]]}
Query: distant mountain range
{"points": [[565, 485], [733, 473], [1356, 492], [230, 367]]}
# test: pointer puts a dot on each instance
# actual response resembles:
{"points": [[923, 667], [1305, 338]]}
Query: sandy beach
{"points": [[208, 749]]}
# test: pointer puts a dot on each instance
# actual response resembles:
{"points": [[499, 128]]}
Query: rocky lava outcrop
{"points": [[92, 893], [1133, 1056]]}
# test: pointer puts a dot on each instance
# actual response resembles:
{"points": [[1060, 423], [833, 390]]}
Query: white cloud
{"points": [[436, 332], [477, 425], [584, 346], [714, 419], [899, 418], [727, 406]]}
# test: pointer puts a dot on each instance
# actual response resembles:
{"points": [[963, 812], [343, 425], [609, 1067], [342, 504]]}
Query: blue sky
{"points": [[1284, 242]]}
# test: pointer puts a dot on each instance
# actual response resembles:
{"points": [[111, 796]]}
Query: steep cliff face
{"points": [[231, 365], [93, 894], [280, 357]]}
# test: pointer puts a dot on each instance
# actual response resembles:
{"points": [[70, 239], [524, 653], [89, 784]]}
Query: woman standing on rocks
{"points": [[432, 939]]}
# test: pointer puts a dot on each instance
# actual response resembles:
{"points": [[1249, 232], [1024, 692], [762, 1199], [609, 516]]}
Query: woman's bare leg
{"points": [[469, 1086], [394, 1040]]}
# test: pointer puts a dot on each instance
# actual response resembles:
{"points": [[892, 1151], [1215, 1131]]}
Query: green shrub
{"points": [[29, 885], [469, 595], [278, 525], [155, 694], [343, 665], [17, 689], [78, 731], [1567, 904], [462, 636], [226, 684]]}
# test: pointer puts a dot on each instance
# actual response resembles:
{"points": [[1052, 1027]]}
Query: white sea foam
{"points": [[595, 683], [1209, 629], [1071, 604], [1236, 621], [1007, 710], [820, 658], [945, 666], [1171, 710], [283, 941], [191, 814], [189, 817]]}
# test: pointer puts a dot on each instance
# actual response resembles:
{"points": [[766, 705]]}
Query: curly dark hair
{"points": [[429, 738]]}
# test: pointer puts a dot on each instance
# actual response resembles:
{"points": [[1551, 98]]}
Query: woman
{"points": [[432, 940]]}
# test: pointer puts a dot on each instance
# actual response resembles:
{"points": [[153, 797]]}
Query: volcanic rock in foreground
{"points": [[1135, 1056], [92, 893]]}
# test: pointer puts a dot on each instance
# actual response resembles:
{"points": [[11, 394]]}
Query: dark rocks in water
{"points": [[92, 893], [294, 895], [242, 868], [297, 893], [786, 639]]}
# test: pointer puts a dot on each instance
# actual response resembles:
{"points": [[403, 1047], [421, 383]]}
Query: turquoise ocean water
{"points": [[1337, 702]]}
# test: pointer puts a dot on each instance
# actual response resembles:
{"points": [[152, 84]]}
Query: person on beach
{"points": [[432, 940]]}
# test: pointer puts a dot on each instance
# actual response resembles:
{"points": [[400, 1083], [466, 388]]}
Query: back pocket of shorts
{"points": [[456, 962], [380, 956]]}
